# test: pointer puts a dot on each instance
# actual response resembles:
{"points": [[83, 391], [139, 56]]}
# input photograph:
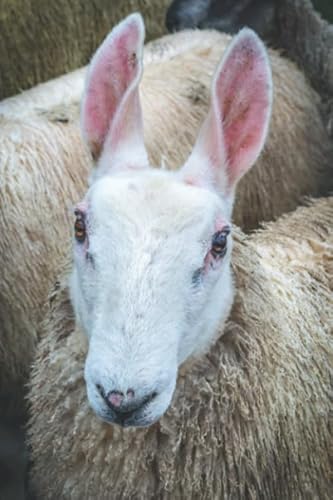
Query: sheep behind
{"points": [[35, 158], [54, 38], [44, 167], [251, 418]]}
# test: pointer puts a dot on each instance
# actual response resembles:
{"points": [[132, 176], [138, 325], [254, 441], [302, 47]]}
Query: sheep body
{"points": [[44, 167], [250, 419], [54, 38]]}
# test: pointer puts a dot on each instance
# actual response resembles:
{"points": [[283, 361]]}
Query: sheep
{"points": [[35, 135], [150, 291], [224, 15], [47, 40], [40, 129], [250, 419]]}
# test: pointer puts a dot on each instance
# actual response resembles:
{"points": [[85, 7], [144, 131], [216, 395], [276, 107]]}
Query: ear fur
{"points": [[111, 117], [236, 127]]}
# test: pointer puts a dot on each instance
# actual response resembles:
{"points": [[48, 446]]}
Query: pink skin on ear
{"points": [[111, 108], [234, 132]]}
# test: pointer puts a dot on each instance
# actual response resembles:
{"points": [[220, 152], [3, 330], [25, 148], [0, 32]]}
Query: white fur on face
{"points": [[147, 286], [139, 295]]}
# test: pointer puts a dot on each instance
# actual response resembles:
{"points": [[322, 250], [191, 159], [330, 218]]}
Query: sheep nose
{"points": [[125, 405], [117, 399]]}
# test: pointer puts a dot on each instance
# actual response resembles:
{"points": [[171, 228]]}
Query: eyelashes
{"points": [[219, 243]]}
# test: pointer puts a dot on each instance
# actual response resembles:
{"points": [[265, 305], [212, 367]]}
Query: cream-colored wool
{"points": [[248, 420], [41, 40], [44, 168]]}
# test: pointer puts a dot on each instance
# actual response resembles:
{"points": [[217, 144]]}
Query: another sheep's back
{"points": [[175, 98], [42, 176], [251, 418], [57, 93], [48, 39]]}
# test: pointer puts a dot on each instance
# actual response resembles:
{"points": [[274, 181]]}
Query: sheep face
{"points": [[151, 278], [150, 284]]}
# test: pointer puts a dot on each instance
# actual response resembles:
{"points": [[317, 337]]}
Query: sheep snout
{"points": [[125, 409], [139, 407]]}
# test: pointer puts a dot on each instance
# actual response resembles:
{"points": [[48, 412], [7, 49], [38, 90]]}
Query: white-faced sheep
{"points": [[44, 167], [151, 287]]}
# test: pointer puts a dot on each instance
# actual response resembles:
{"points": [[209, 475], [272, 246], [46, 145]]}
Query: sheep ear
{"points": [[235, 129], [111, 117]]}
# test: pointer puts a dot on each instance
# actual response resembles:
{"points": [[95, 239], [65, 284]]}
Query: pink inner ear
{"points": [[235, 130], [243, 98], [113, 68]]}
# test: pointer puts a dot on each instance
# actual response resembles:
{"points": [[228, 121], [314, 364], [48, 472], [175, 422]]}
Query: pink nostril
{"points": [[115, 398], [130, 394]]}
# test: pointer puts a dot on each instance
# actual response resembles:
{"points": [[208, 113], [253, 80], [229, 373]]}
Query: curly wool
{"points": [[248, 420]]}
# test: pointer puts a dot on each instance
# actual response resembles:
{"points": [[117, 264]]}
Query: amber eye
{"points": [[79, 227], [219, 243]]}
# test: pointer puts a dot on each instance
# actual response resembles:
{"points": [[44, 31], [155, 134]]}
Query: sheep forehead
{"points": [[152, 198]]}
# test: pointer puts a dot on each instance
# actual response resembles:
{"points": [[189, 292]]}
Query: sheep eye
{"points": [[219, 243], [79, 227]]}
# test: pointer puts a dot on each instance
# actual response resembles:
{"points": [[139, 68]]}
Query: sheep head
{"points": [[151, 281]]}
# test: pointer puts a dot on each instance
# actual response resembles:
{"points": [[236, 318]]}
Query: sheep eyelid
{"points": [[80, 229], [219, 248], [226, 230], [80, 213]]}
